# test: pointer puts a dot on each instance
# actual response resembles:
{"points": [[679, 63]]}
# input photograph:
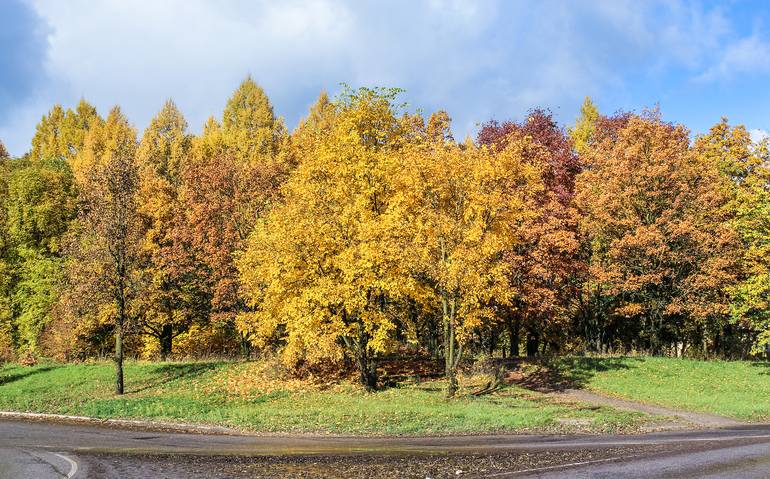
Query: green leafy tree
{"points": [[41, 204], [6, 283]]}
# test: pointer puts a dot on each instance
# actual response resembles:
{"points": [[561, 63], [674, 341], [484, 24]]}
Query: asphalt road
{"points": [[43, 450]]}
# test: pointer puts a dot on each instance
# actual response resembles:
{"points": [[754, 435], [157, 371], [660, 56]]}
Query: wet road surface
{"points": [[45, 450]]}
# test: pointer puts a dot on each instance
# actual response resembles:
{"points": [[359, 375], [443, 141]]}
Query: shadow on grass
{"points": [[558, 374], [172, 372], [7, 379], [762, 364]]}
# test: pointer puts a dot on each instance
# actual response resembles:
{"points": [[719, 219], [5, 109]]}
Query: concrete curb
{"points": [[124, 423]]}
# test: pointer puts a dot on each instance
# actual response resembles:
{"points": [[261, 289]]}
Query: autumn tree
{"points": [[546, 265], [231, 181], [661, 253], [461, 207], [319, 271], [583, 132], [170, 295], [6, 281], [745, 166], [40, 204], [61, 133], [106, 241], [319, 120]]}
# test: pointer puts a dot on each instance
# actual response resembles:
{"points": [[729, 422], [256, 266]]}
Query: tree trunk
{"points": [[166, 340], [119, 352], [492, 342], [451, 351], [245, 347], [533, 340], [367, 368], [514, 328]]}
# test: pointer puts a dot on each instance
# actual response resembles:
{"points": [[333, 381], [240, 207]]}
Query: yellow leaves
{"points": [[461, 210], [320, 263], [103, 141], [381, 211]]}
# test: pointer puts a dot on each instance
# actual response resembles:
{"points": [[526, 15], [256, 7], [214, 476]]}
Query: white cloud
{"points": [[493, 58], [745, 56]]}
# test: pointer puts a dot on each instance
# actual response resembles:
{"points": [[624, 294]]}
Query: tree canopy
{"points": [[370, 232]]}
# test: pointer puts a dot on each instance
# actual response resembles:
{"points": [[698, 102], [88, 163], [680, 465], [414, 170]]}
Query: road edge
{"points": [[173, 427]]}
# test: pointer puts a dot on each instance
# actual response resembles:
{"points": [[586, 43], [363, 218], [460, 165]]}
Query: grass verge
{"points": [[738, 389], [201, 392]]}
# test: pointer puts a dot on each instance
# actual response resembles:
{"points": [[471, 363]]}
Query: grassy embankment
{"points": [[238, 395], [739, 389]]}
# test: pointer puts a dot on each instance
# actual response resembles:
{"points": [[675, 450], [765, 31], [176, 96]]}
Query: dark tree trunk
{"points": [[492, 342], [119, 350], [367, 370], [166, 340], [245, 347], [533, 341], [514, 328]]}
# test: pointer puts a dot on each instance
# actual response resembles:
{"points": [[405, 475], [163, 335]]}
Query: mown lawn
{"points": [[739, 389], [196, 392]]}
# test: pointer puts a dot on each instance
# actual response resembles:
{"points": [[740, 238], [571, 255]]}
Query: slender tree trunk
{"points": [[119, 349], [451, 366], [451, 350], [245, 347], [492, 341], [166, 340], [514, 330], [367, 369]]}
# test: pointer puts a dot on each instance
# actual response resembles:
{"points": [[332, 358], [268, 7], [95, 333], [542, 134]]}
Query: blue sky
{"points": [[476, 59]]}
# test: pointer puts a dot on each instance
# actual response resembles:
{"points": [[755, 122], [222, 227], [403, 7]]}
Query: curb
{"points": [[124, 423]]}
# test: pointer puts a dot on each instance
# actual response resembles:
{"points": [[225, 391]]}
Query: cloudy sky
{"points": [[476, 59]]}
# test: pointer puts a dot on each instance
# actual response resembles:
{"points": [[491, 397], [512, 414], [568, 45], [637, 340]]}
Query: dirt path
{"points": [[693, 418]]}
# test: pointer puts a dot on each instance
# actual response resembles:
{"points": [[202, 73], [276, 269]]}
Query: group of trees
{"points": [[370, 230]]}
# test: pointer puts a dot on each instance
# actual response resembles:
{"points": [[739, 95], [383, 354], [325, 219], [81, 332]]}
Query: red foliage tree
{"points": [[548, 267]]}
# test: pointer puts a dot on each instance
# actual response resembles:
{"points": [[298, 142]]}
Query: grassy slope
{"points": [[194, 392], [739, 389]]}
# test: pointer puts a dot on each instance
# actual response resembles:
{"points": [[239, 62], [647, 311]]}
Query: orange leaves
{"points": [[653, 213]]}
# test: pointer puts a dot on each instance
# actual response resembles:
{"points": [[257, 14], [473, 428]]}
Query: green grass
{"points": [[739, 389], [194, 392]]}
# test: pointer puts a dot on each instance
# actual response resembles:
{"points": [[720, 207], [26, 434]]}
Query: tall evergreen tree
{"points": [[61, 134], [250, 129]]}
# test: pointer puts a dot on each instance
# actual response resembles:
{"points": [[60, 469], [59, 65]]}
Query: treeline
{"points": [[369, 230]]}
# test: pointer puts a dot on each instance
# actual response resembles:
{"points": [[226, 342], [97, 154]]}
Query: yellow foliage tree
{"points": [[61, 134], [319, 271], [161, 156], [460, 209]]}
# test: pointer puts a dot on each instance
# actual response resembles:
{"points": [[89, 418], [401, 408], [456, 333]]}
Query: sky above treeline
{"points": [[476, 59]]}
